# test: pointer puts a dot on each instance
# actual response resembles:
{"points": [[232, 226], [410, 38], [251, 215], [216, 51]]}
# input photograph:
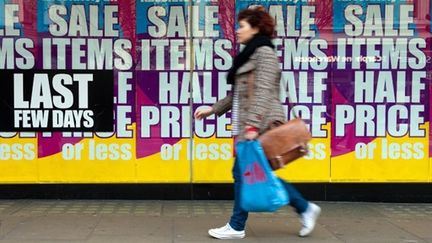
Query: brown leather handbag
{"points": [[285, 142]]}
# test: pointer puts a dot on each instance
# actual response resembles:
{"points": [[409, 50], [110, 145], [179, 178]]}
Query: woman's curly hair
{"points": [[257, 17]]}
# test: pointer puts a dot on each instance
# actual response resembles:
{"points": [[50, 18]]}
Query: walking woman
{"points": [[253, 108]]}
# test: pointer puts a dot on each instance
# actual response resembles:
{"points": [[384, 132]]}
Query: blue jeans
{"points": [[239, 217]]}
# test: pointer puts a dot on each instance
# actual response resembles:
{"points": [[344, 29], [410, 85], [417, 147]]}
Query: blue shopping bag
{"points": [[260, 190]]}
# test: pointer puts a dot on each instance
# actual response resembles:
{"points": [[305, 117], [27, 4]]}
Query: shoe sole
{"points": [[224, 237]]}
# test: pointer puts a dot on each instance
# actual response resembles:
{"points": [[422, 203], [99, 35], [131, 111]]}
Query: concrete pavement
{"points": [[188, 221]]}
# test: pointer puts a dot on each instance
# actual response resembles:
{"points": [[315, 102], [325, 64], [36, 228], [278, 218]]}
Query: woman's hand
{"points": [[251, 132], [203, 113]]}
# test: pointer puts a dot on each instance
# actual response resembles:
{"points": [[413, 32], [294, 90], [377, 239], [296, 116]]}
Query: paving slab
{"points": [[127, 221], [54, 227], [367, 230]]}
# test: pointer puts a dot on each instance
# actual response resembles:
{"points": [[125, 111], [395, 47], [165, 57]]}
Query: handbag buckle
{"points": [[304, 149], [279, 159]]}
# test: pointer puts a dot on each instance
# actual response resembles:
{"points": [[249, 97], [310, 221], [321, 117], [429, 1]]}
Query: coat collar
{"points": [[250, 65]]}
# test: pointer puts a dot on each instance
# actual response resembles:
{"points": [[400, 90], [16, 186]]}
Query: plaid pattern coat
{"points": [[263, 105]]}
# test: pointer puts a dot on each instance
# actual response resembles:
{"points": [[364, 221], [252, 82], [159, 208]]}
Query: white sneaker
{"points": [[309, 218], [226, 233]]}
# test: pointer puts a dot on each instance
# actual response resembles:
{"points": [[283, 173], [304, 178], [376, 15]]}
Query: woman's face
{"points": [[245, 32]]}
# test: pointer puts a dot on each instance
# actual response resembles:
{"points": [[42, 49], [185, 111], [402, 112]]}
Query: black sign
{"points": [[56, 100]]}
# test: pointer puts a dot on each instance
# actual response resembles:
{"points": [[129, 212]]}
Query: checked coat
{"points": [[257, 84]]}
